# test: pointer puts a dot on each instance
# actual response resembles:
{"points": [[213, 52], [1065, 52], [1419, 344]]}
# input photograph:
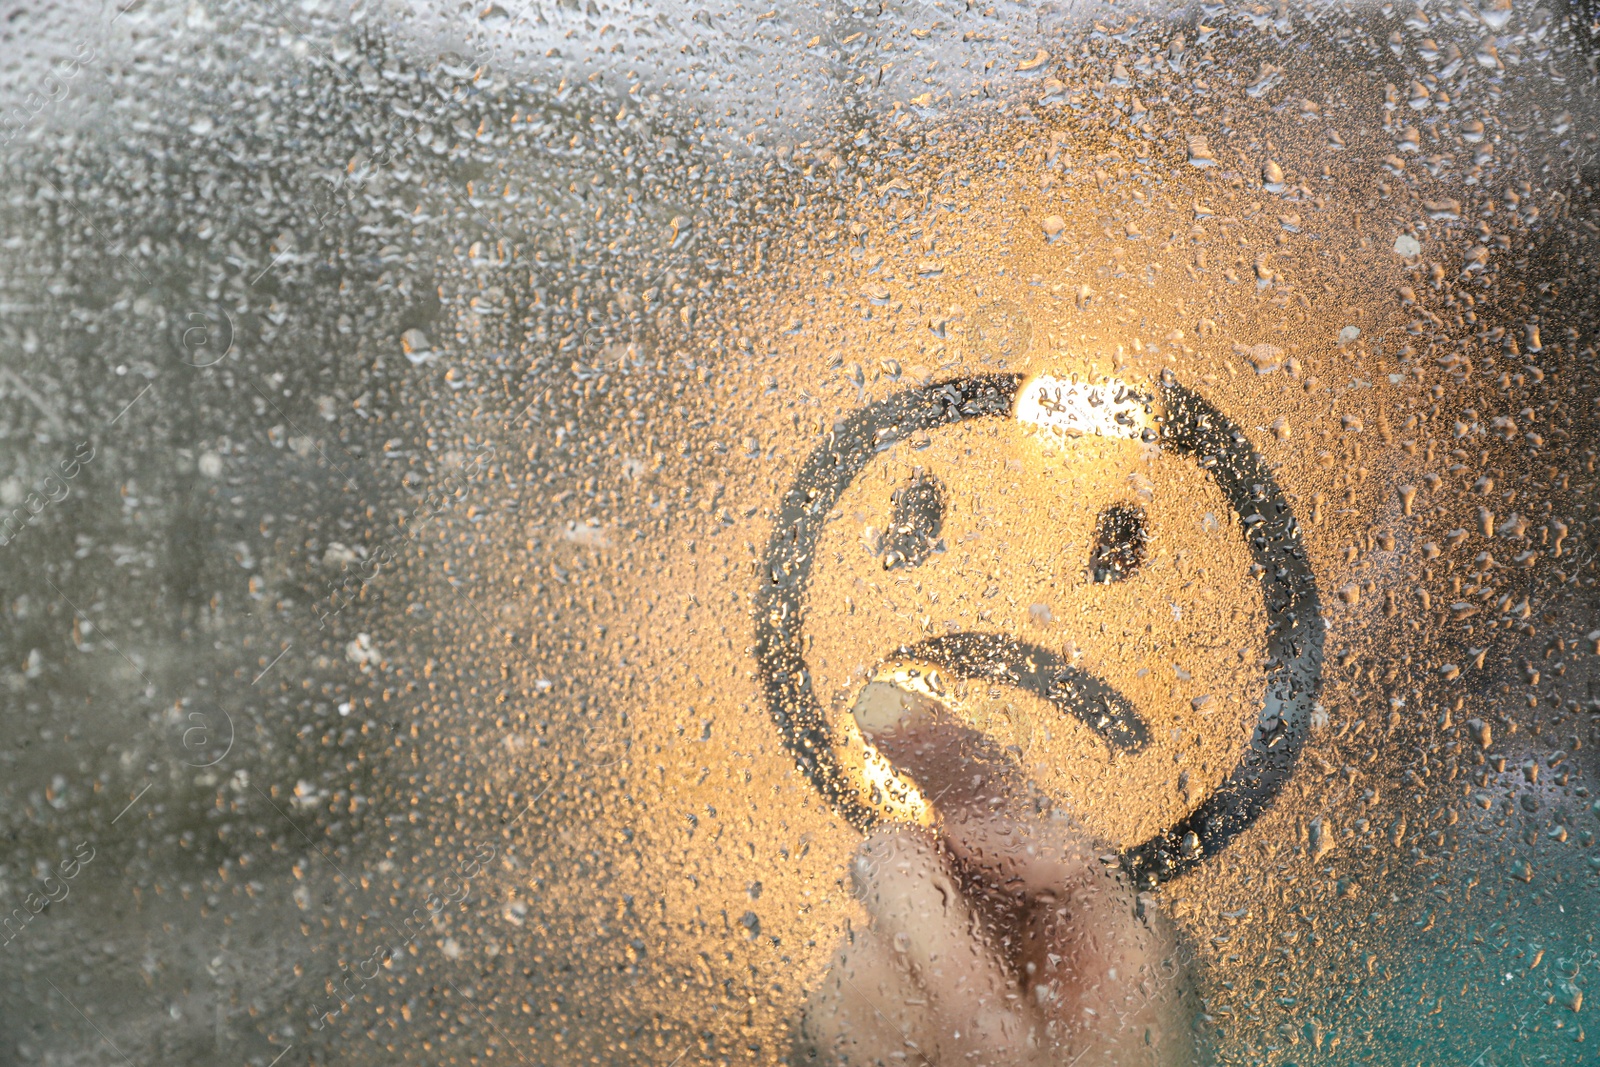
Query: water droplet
{"points": [[1200, 153], [1271, 176], [417, 347], [1322, 837], [1496, 14], [1040, 58]]}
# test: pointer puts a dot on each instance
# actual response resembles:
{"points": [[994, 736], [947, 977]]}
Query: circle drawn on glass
{"points": [[1191, 427]]}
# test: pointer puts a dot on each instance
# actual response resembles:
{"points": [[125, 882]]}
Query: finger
{"points": [[1082, 941], [917, 906], [868, 1009], [1082, 953], [1042, 864], [1088, 963], [956, 767], [1095, 959], [1085, 942], [986, 807], [1117, 983]]}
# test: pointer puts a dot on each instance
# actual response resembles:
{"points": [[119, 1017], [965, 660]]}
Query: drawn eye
{"points": [[915, 524], [1120, 540]]}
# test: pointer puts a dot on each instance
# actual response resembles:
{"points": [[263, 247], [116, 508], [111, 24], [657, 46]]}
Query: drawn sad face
{"points": [[1103, 578]]}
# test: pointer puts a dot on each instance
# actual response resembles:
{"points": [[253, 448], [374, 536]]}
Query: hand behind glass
{"points": [[999, 939]]}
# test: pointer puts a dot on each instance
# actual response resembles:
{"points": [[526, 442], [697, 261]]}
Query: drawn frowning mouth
{"points": [[1032, 668]]}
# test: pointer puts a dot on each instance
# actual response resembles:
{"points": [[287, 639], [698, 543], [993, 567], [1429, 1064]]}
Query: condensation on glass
{"points": [[469, 474]]}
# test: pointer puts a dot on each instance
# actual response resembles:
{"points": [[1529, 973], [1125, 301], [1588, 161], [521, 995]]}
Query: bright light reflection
{"points": [[895, 795], [1067, 407]]}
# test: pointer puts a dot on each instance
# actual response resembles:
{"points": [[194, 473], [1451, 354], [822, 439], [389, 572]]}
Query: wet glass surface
{"points": [[599, 533]]}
